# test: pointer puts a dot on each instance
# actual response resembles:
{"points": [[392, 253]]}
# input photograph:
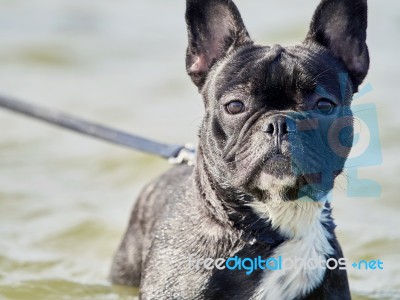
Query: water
{"points": [[65, 199]]}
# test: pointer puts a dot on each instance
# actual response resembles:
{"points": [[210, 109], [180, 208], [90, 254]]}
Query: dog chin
{"points": [[276, 175], [288, 187], [274, 182]]}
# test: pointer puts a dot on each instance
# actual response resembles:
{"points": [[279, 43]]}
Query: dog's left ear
{"points": [[215, 28], [341, 26]]}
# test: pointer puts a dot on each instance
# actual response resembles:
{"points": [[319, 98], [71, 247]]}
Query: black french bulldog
{"points": [[276, 132]]}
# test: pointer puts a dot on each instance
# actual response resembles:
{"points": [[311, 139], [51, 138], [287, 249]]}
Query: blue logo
{"points": [[368, 265], [323, 145]]}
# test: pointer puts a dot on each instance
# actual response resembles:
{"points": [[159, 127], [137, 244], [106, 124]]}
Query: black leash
{"points": [[176, 154]]}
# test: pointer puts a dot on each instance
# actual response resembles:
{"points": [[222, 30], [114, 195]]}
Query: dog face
{"points": [[278, 120]]}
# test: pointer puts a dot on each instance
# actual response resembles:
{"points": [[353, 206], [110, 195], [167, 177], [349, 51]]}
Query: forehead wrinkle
{"points": [[237, 70], [276, 71], [290, 72]]}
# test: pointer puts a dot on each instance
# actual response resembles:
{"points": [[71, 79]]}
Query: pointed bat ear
{"points": [[215, 28], [341, 27]]}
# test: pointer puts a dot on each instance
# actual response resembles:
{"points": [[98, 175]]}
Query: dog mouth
{"points": [[278, 165], [279, 176]]}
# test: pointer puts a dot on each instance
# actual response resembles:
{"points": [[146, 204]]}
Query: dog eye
{"points": [[325, 106], [235, 107]]}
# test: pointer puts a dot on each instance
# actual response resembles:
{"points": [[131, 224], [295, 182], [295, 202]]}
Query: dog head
{"points": [[277, 119]]}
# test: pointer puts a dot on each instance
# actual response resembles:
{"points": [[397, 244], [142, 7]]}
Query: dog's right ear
{"points": [[215, 28]]}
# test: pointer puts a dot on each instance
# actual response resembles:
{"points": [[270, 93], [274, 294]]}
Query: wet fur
{"points": [[238, 198]]}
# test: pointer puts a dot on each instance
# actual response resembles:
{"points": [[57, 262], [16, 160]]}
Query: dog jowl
{"points": [[276, 132]]}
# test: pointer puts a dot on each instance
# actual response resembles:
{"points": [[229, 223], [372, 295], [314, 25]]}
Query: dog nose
{"points": [[277, 126]]}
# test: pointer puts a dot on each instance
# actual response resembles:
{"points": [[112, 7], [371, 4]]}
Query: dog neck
{"points": [[229, 208], [269, 222], [288, 229], [293, 219]]}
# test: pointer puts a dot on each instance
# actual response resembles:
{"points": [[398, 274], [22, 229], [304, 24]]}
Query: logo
{"points": [[350, 141], [250, 265]]}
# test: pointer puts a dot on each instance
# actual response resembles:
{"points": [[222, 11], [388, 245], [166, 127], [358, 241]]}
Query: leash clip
{"points": [[186, 155]]}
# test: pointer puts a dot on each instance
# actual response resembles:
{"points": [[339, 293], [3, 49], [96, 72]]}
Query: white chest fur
{"points": [[300, 222]]}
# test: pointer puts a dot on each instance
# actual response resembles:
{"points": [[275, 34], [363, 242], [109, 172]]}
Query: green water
{"points": [[65, 199]]}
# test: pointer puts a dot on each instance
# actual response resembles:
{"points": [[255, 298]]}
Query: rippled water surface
{"points": [[65, 199]]}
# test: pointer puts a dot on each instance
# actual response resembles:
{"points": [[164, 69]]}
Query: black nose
{"points": [[276, 126]]}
